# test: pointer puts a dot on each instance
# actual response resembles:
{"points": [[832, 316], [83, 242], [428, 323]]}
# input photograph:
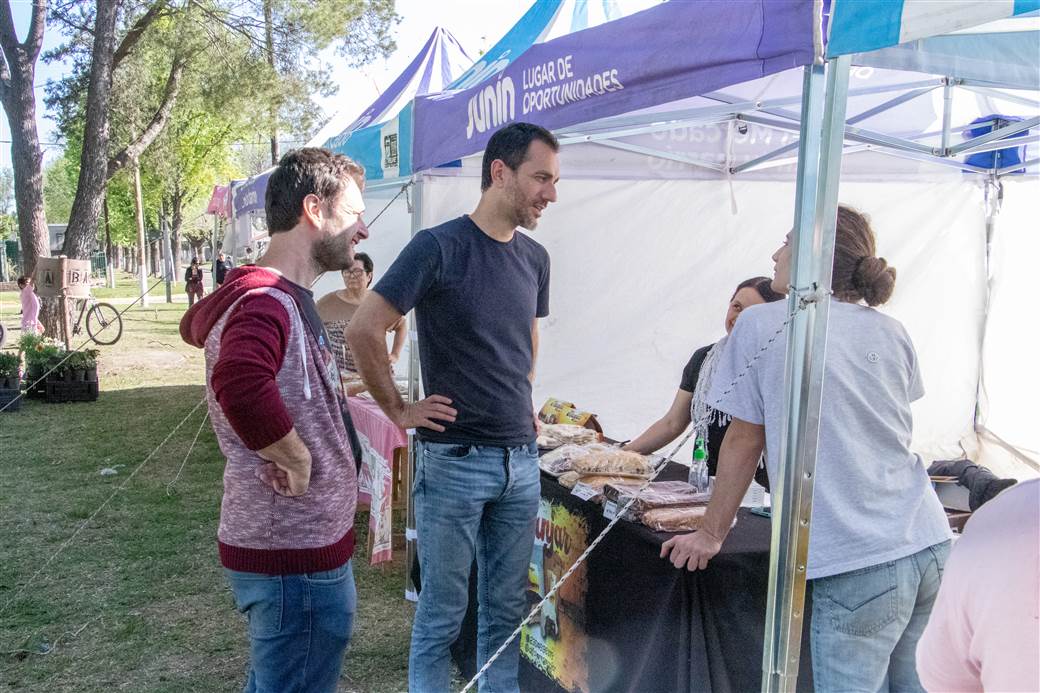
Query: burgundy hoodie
{"points": [[269, 370]]}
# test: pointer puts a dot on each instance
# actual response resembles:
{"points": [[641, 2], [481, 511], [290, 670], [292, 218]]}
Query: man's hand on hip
{"points": [[288, 467], [424, 413]]}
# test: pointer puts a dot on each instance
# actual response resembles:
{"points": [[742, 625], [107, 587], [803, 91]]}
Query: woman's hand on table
{"points": [[691, 551]]}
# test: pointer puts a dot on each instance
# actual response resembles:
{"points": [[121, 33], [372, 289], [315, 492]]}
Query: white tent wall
{"points": [[642, 272], [1011, 375]]}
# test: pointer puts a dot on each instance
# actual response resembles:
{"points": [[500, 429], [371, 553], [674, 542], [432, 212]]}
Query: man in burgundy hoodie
{"points": [[290, 484]]}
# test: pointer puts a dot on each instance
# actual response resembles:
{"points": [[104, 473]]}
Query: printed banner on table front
{"points": [[555, 641]]}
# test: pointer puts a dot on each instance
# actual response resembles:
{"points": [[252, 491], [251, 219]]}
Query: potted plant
{"points": [[10, 371], [10, 387], [58, 367], [81, 366], [43, 358], [88, 358]]}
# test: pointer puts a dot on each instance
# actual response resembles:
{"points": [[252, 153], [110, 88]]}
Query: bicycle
{"points": [[103, 322]]}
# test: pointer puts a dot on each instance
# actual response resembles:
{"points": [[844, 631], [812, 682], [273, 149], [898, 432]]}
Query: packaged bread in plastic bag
{"points": [[657, 494], [680, 519], [614, 462], [560, 459]]}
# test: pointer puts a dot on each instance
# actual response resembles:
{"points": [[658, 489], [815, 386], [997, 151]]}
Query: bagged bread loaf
{"points": [[555, 435], [681, 519], [560, 459], [658, 494], [569, 479], [613, 462], [598, 481]]}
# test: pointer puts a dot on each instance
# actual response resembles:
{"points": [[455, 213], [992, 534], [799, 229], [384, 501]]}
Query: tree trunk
{"points": [[110, 258], [269, 35], [156, 265], [176, 220], [17, 80], [142, 280], [81, 235]]}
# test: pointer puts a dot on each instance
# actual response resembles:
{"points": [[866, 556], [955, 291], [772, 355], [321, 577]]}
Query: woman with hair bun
{"points": [[879, 537]]}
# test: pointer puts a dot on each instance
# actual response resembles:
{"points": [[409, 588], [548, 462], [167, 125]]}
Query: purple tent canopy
{"points": [[248, 196], [674, 51]]}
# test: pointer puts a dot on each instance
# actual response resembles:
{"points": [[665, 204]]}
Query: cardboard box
{"points": [[558, 411]]}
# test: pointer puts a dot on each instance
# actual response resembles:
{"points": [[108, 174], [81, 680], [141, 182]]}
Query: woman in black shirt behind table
{"points": [[690, 401]]}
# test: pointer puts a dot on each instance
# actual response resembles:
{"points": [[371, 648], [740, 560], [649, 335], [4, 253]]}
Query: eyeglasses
{"points": [[356, 272]]}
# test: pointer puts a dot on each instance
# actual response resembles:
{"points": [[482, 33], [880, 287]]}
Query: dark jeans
{"points": [[982, 484]]}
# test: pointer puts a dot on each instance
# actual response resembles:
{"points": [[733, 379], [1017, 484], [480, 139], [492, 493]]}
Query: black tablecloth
{"points": [[651, 627]]}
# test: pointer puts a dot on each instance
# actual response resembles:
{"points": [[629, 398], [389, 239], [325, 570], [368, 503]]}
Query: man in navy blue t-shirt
{"points": [[478, 287]]}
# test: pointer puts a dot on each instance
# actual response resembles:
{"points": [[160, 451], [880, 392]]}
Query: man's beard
{"points": [[520, 210], [334, 253]]}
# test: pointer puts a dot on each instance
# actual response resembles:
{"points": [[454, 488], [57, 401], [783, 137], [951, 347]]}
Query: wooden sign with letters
{"points": [[55, 274]]}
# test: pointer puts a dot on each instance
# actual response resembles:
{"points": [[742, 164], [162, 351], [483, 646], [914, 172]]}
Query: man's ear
{"points": [[498, 171], [313, 210]]}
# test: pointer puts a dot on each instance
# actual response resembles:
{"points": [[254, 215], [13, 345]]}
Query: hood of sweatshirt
{"points": [[201, 317]]}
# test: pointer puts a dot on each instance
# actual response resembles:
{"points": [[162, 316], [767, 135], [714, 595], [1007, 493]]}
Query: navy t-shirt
{"points": [[475, 301]]}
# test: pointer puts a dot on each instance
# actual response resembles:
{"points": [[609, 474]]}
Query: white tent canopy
{"points": [[653, 230]]}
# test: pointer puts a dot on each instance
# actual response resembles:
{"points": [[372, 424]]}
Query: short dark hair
{"points": [[303, 172], [22, 281], [764, 287], [510, 144], [365, 261]]}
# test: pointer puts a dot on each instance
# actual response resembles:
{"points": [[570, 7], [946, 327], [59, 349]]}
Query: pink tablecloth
{"points": [[379, 439]]}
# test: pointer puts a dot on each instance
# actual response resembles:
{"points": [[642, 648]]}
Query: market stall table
{"points": [[380, 440], [630, 621]]}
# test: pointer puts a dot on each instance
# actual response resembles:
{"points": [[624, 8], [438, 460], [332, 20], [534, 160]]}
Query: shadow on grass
{"points": [[138, 598]]}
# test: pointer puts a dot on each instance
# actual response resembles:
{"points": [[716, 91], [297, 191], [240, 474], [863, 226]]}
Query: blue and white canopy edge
{"points": [[857, 26]]}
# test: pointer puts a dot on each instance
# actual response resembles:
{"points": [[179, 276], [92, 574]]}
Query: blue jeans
{"points": [[471, 501], [299, 627], [866, 623]]}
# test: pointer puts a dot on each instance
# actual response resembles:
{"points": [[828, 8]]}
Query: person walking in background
{"points": [[193, 282], [221, 268], [30, 306]]}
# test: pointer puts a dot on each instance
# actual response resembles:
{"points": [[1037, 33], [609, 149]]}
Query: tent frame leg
{"points": [[824, 97], [411, 590]]}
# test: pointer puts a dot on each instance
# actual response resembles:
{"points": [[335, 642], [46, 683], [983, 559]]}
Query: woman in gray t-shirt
{"points": [[879, 536]]}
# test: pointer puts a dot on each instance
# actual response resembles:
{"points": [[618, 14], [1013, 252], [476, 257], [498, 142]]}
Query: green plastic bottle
{"points": [[699, 466]]}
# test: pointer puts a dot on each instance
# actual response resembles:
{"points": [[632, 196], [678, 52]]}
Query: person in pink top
{"points": [[30, 307], [984, 631]]}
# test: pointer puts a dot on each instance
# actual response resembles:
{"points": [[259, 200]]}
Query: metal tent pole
{"points": [[824, 93], [947, 114], [993, 198], [411, 591]]}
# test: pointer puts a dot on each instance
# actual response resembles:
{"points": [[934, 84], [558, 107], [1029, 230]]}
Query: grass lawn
{"points": [[136, 601]]}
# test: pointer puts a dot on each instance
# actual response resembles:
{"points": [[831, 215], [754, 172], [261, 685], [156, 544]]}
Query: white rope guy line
{"points": [[202, 424], [82, 525], [807, 297]]}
